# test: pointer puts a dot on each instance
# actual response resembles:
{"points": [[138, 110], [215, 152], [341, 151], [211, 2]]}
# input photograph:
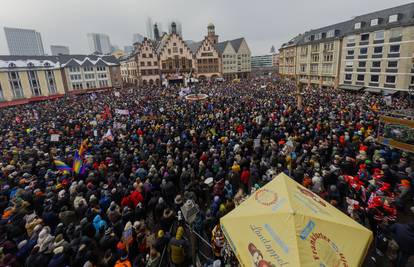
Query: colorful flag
{"points": [[83, 147], [61, 166], [77, 163]]}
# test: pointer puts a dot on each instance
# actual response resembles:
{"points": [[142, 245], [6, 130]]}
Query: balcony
{"points": [[391, 70], [376, 56], [364, 43], [349, 57], [362, 56], [375, 70], [350, 45]]}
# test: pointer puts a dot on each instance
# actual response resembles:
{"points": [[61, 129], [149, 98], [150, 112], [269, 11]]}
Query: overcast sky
{"points": [[262, 22]]}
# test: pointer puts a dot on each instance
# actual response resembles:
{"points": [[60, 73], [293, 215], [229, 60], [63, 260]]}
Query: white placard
{"points": [[117, 94], [122, 111], [54, 137]]}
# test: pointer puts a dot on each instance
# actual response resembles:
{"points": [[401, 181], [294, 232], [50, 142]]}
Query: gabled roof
{"points": [[25, 61], [220, 47], [194, 46], [236, 43], [108, 60]]}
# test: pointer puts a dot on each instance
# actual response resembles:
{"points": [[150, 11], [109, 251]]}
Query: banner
{"points": [[388, 100], [122, 111]]}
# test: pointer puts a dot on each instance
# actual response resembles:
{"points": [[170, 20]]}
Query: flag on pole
{"points": [[61, 166], [77, 163], [83, 147]]}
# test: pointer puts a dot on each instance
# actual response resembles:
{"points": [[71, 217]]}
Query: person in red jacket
{"points": [[245, 178]]}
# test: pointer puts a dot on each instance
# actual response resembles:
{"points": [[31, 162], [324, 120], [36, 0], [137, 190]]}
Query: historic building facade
{"points": [[169, 59]]}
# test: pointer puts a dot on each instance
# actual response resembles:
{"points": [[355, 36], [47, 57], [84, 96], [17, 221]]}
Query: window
{"points": [[142, 63], [390, 79], [395, 33], [349, 63], [149, 63], [350, 39], [101, 68], [363, 50], [51, 82], [77, 85], [393, 64], [360, 77], [15, 84], [374, 78], [103, 83], [412, 80], [379, 35], [30, 65], [74, 69], [101, 75], [150, 55], [357, 25], [318, 36], [12, 65], [393, 18], [89, 76], [169, 51], [362, 64], [348, 76], [378, 50], [88, 69], [47, 64], [394, 48], [365, 37], [34, 83], [90, 85], [330, 34], [376, 64], [155, 63], [303, 67], [350, 52], [374, 22]]}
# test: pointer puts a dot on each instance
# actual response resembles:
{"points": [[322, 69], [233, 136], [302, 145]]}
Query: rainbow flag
{"points": [[77, 163], [61, 166]]}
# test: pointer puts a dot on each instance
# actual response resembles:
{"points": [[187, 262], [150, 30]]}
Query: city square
{"points": [[175, 152]]}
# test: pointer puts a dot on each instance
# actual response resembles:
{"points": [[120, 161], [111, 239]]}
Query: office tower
{"points": [[24, 42], [99, 42]]}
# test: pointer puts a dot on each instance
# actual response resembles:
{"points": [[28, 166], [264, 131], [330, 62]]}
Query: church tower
{"points": [[211, 34]]}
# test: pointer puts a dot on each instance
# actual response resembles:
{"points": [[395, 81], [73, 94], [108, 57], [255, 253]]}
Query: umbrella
{"points": [[285, 224]]}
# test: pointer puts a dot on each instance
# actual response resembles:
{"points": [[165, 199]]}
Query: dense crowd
{"points": [[142, 153]]}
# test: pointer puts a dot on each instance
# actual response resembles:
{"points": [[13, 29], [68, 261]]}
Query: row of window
{"points": [[374, 64], [89, 85], [87, 69], [378, 35], [149, 63], [376, 50], [374, 78]]}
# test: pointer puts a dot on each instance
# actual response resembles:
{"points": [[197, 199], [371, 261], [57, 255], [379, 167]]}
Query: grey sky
{"points": [[262, 22]]}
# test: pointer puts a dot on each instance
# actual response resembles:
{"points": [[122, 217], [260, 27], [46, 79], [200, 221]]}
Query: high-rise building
{"points": [[263, 61], [149, 26], [99, 42], [24, 42], [59, 50], [178, 26], [137, 38]]}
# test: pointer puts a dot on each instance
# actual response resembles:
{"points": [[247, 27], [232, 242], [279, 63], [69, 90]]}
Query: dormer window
{"points": [[330, 34], [374, 22], [357, 25], [30, 65], [12, 65], [318, 36], [393, 18], [47, 64]]}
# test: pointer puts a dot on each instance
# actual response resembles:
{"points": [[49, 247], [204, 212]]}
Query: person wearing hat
{"points": [[178, 248], [161, 241]]}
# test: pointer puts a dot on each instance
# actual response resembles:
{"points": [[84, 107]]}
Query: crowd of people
{"points": [[99, 179]]}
